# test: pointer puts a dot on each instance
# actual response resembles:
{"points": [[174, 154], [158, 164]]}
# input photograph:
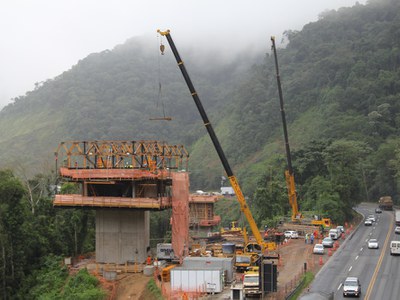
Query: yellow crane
{"points": [[232, 178], [289, 174]]}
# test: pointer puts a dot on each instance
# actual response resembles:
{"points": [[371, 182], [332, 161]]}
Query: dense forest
{"points": [[341, 85]]}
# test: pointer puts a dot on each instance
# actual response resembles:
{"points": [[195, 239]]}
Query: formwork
{"points": [[123, 181]]}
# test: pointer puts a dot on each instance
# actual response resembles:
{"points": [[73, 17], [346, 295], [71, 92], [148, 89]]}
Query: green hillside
{"points": [[341, 85], [340, 79]]}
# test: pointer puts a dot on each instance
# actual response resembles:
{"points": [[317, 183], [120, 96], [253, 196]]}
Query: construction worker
{"points": [[148, 260]]}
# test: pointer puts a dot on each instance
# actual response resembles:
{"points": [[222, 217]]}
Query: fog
{"points": [[43, 38]]}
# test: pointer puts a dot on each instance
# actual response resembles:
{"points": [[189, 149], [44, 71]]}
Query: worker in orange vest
{"points": [[148, 260]]}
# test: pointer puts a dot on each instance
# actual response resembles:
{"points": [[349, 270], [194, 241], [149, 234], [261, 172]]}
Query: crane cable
{"points": [[160, 96]]}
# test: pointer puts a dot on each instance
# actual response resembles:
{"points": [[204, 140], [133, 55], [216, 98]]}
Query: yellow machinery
{"points": [[251, 254], [234, 229], [232, 178], [289, 174]]}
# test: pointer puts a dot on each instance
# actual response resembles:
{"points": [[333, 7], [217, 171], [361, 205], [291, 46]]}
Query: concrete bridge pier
{"points": [[122, 235]]}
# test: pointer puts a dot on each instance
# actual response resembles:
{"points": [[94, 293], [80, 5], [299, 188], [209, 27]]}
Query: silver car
{"points": [[327, 242], [397, 230], [318, 249], [351, 287], [373, 244]]}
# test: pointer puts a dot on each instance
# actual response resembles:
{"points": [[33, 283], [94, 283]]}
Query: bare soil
{"points": [[133, 287], [296, 255]]}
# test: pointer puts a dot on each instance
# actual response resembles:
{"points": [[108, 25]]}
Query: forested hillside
{"points": [[115, 95], [341, 85]]}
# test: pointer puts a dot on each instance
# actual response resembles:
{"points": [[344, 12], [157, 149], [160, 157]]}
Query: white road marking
{"points": [[361, 249], [350, 268], [340, 285], [356, 257]]}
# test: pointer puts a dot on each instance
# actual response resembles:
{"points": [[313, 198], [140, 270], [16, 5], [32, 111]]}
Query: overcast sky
{"points": [[42, 38]]}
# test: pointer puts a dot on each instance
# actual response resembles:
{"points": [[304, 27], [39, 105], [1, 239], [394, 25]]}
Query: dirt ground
{"points": [[132, 287], [296, 255]]}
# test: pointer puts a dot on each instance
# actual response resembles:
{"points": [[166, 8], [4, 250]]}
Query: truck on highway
{"points": [[385, 203], [397, 217]]}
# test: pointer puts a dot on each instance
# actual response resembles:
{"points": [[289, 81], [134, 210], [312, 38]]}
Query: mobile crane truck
{"points": [[289, 174], [265, 247]]}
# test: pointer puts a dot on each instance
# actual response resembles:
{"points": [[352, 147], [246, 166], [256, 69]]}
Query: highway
{"points": [[377, 270]]}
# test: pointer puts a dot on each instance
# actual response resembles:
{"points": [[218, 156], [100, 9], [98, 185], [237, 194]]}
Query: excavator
{"points": [[297, 217], [264, 247]]}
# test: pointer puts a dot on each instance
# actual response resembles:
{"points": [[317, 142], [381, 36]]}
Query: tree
{"points": [[343, 159], [12, 235]]}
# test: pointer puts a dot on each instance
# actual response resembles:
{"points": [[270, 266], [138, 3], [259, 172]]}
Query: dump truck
{"points": [[385, 203], [251, 284]]}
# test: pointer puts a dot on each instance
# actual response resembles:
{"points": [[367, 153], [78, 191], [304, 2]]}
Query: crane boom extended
{"points": [[289, 174], [232, 178]]}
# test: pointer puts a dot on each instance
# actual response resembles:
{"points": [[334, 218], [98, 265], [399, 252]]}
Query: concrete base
{"points": [[122, 236]]}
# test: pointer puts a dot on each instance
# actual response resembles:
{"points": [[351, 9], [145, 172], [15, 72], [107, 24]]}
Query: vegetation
{"points": [[52, 282], [308, 277], [33, 241], [341, 87], [155, 292]]}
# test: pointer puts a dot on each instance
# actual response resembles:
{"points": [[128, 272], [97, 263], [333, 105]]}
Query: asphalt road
{"points": [[377, 270]]}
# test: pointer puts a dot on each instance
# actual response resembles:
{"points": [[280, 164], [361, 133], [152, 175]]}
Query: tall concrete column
{"points": [[122, 235]]}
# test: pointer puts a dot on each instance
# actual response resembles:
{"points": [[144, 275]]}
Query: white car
{"points": [[327, 242], [372, 218], [397, 230], [351, 287], [373, 244], [341, 228], [319, 249], [368, 222], [291, 234]]}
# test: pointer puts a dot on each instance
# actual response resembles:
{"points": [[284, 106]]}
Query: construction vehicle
{"points": [[385, 203], [297, 217], [251, 254], [234, 229], [251, 283], [232, 178]]}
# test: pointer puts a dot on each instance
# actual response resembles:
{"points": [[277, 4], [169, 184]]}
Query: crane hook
{"points": [[162, 48]]}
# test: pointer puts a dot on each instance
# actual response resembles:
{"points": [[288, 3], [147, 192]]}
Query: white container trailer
{"points": [[225, 263], [197, 280]]}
